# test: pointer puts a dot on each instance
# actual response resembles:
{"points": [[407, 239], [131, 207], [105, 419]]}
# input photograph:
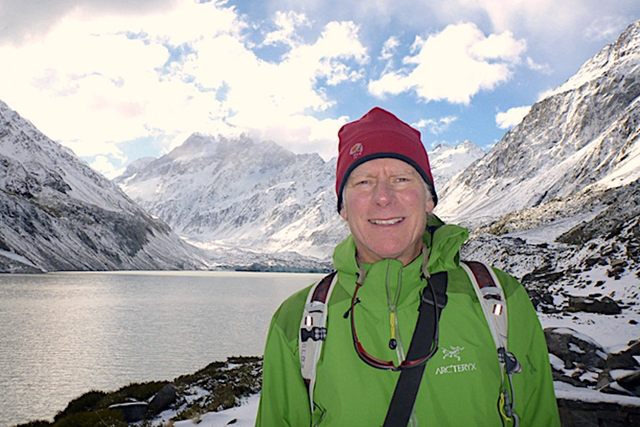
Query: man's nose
{"points": [[383, 193]]}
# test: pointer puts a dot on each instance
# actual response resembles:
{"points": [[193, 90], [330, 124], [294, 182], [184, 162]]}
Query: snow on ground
{"points": [[240, 416], [611, 332], [245, 415], [605, 330], [569, 392], [548, 232]]}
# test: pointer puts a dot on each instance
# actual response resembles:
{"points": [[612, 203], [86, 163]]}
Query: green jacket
{"points": [[461, 382]]}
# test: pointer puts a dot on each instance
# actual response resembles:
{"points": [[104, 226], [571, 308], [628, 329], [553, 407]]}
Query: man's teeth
{"points": [[385, 221]]}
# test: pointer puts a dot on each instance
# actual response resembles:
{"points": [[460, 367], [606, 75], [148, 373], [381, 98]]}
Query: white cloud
{"points": [[262, 95], [453, 65], [287, 24], [541, 68], [511, 117], [389, 48], [103, 165], [436, 127], [605, 28], [98, 75], [97, 81], [27, 21]]}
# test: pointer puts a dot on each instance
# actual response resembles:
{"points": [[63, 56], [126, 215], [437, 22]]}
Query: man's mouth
{"points": [[391, 221]]}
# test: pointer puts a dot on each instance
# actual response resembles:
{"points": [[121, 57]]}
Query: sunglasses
{"points": [[389, 365]]}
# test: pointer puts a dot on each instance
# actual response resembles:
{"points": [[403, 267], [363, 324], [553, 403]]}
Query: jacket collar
{"points": [[442, 240]]}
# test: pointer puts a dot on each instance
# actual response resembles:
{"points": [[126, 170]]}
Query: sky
{"points": [[118, 80]]}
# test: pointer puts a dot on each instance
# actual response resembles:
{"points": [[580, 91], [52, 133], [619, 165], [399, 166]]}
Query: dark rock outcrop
{"points": [[574, 413], [593, 304]]}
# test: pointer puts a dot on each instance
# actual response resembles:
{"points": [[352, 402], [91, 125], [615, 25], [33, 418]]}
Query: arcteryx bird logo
{"points": [[454, 352]]}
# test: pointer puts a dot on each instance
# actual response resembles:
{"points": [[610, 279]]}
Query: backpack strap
{"points": [[490, 294], [423, 343], [494, 306], [313, 330]]}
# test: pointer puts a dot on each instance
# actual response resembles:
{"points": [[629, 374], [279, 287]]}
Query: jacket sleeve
{"points": [[534, 396], [284, 400]]}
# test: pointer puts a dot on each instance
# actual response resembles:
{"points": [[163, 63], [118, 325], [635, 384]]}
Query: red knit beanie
{"points": [[380, 134]]}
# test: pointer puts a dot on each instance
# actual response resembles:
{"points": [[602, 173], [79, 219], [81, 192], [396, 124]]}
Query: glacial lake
{"points": [[63, 334]]}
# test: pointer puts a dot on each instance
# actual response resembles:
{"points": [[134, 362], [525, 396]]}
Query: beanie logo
{"points": [[356, 150]]}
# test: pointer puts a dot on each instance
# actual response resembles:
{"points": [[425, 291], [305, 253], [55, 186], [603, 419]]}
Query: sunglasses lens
{"points": [[369, 359]]}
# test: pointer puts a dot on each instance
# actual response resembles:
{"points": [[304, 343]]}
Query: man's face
{"points": [[386, 206]]}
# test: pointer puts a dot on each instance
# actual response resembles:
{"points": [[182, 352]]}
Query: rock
{"points": [[542, 300], [631, 383], [132, 411], [628, 383], [575, 349], [589, 304], [625, 359], [542, 275], [619, 263], [163, 399], [584, 360], [597, 414]]}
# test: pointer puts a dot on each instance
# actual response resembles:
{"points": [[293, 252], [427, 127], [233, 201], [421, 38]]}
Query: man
{"points": [[396, 249]]}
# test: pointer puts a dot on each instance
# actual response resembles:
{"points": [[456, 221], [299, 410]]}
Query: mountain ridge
{"points": [[56, 213], [582, 135]]}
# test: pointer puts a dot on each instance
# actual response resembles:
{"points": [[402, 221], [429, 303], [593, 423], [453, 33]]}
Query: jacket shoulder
{"points": [[288, 316]]}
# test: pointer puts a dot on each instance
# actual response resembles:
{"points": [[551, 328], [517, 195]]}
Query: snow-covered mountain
{"points": [[446, 161], [254, 203], [248, 203], [56, 213], [585, 134], [556, 203]]}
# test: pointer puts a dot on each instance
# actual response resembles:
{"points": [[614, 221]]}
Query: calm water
{"points": [[63, 334]]}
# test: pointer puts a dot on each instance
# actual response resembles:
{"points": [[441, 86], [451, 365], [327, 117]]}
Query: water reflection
{"points": [[62, 334]]}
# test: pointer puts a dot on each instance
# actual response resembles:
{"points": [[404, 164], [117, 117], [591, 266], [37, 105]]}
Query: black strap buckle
{"points": [[427, 297], [316, 334]]}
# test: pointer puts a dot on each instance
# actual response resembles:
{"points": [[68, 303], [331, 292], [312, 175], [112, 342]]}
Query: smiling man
{"points": [[399, 335], [386, 206]]}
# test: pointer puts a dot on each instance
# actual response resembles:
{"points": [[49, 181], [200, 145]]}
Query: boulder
{"points": [[597, 414], [630, 382], [591, 304], [163, 399], [575, 349], [132, 411]]}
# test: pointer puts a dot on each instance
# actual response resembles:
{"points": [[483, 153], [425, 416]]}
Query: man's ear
{"points": [[430, 206], [343, 212]]}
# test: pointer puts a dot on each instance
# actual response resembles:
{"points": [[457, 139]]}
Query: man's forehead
{"points": [[389, 165]]}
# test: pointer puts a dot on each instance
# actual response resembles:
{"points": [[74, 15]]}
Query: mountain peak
{"points": [[583, 135], [621, 56], [447, 160]]}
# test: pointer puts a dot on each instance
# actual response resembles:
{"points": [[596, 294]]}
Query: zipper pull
{"points": [[392, 342]]}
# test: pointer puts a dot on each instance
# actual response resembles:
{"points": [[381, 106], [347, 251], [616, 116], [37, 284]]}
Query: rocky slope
{"points": [[447, 161], [585, 134], [56, 213]]}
